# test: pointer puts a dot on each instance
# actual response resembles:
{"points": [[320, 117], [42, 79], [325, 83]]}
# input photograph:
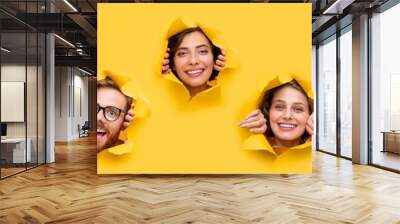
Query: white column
{"points": [[50, 99], [314, 88], [50, 92], [360, 90]]}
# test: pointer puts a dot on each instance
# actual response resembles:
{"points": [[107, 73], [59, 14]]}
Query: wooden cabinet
{"points": [[391, 142]]}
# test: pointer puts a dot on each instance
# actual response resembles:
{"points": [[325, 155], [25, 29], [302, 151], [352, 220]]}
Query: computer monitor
{"points": [[3, 129]]}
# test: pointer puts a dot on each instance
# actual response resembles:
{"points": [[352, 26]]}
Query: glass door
{"points": [[326, 60]]}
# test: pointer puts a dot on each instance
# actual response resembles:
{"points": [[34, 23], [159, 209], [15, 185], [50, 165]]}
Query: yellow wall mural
{"points": [[177, 130]]}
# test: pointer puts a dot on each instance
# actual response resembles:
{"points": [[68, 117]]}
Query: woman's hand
{"points": [[310, 124], [165, 63], [255, 122], [221, 61]]}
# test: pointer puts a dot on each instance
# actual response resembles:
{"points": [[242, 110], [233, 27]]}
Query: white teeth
{"points": [[193, 72], [287, 125]]}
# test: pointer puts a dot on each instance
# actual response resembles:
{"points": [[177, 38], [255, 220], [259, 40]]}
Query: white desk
{"points": [[18, 150]]}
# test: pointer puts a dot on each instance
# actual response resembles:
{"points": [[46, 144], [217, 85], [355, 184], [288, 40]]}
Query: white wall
{"points": [[33, 126], [13, 73], [80, 97], [71, 94], [61, 103]]}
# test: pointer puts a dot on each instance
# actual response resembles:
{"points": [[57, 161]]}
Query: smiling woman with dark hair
{"points": [[205, 48], [287, 110], [194, 59], [191, 55]]}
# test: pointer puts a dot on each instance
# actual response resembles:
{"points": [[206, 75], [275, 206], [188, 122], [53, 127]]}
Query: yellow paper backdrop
{"points": [[202, 135]]}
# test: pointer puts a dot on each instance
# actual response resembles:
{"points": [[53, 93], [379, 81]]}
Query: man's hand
{"points": [[255, 122], [128, 117]]}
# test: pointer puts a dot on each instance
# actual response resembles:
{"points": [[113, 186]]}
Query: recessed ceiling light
{"points": [[5, 50], [70, 5], [64, 40], [84, 71], [337, 7]]}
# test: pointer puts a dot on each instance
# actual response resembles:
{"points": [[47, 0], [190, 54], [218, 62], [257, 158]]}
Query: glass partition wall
{"points": [[22, 87], [385, 89], [334, 80], [326, 59], [345, 110]]}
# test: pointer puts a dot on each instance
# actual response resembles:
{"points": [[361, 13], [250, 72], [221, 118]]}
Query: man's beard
{"points": [[109, 141]]}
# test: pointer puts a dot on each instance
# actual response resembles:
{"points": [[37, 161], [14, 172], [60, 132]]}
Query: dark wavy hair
{"points": [[175, 41], [266, 103]]}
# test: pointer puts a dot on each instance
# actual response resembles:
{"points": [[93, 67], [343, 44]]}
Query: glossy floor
{"points": [[70, 191], [386, 159]]}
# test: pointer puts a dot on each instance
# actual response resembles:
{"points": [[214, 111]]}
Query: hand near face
{"points": [[255, 122], [128, 118], [165, 63], [218, 65], [221, 61], [310, 124]]}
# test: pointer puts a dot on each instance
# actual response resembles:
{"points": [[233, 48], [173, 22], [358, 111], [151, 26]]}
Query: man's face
{"points": [[108, 131]]}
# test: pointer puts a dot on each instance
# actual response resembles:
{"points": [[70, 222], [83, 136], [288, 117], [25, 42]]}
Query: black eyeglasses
{"points": [[110, 113]]}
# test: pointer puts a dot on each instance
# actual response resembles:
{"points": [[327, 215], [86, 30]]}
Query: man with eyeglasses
{"points": [[113, 113]]}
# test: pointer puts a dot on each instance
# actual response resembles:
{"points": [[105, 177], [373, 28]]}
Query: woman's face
{"points": [[193, 61], [288, 115]]}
